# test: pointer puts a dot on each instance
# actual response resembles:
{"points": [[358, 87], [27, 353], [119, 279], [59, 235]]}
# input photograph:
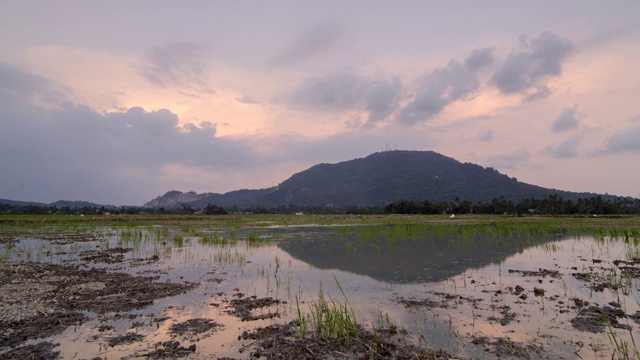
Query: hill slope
{"points": [[378, 179], [59, 203]]}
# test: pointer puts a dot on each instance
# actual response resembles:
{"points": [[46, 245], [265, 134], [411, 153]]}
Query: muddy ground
{"points": [[39, 300]]}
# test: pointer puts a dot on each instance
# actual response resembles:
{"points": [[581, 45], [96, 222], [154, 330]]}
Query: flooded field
{"points": [[333, 287]]}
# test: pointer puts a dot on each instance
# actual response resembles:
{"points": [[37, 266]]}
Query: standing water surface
{"points": [[471, 292]]}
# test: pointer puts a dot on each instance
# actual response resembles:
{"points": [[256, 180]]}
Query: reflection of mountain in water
{"points": [[430, 258]]}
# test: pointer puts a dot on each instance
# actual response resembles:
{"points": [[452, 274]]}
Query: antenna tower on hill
{"points": [[387, 147]]}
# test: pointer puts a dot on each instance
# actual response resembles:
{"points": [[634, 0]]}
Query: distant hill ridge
{"points": [[378, 179], [59, 203]]}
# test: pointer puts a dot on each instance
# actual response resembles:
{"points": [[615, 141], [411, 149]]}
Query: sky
{"points": [[117, 102]]}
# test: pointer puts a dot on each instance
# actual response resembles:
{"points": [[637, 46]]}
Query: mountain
{"points": [[378, 179], [21, 203], [78, 204], [59, 204], [175, 199]]}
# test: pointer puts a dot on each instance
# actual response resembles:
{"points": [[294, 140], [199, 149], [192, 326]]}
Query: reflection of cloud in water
{"points": [[429, 258]]}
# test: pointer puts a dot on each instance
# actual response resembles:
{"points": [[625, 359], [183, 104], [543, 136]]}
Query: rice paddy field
{"points": [[319, 287]]}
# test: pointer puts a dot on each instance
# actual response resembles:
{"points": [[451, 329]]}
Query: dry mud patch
{"points": [[596, 319], [243, 308], [40, 300], [41, 351], [281, 341], [194, 329], [109, 256]]}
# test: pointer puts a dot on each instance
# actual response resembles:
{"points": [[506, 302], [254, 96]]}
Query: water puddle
{"points": [[159, 292]]}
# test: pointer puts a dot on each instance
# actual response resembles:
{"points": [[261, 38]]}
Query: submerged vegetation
{"points": [[578, 271]]}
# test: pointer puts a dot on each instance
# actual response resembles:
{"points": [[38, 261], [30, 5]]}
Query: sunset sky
{"points": [[117, 102]]}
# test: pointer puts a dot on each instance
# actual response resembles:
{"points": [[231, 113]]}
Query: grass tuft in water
{"points": [[328, 318], [622, 349], [215, 238]]}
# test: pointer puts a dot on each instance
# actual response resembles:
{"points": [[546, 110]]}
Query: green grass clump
{"points": [[178, 241], [215, 238], [328, 318], [254, 239]]}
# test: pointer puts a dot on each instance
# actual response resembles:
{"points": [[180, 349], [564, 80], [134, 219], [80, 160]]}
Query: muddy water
{"points": [[474, 296]]}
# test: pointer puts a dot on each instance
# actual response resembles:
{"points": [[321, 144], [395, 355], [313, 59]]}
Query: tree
{"points": [[214, 210], [186, 209]]}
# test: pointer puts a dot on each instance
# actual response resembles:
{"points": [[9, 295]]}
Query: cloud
{"points": [[537, 93], [605, 37], [525, 71], [486, 135], [129, 157], [135, 137], [310, 43], [479, 59], [19, 86], [566, 149], [176, 64], [245, 99], [382, 99], [333, 92], [339, 92], [624, 140], [568, 119], [509, 161], [442, 87]]}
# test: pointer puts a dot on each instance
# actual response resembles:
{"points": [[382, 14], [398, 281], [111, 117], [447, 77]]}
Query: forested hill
{"points": [[380, 179], [385, 177]]}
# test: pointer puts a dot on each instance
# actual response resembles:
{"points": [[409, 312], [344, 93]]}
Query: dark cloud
{"points": [[175, 64], [16, 81], [624, 140], [72, 152], [349, 92], [525, 71], [509, 161], [456, 82], [78, 146], [382, 99], [568, 119], [566, 149], [437, 90], [310, 43], [18, 85], [334, 92], [479, 59]]}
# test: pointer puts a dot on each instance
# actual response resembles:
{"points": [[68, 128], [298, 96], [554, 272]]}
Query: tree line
{"points": [[184, 209], [551, 205]]}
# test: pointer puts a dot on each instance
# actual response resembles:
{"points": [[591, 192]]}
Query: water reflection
{"points": [[422, 258], [463, 271]]}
